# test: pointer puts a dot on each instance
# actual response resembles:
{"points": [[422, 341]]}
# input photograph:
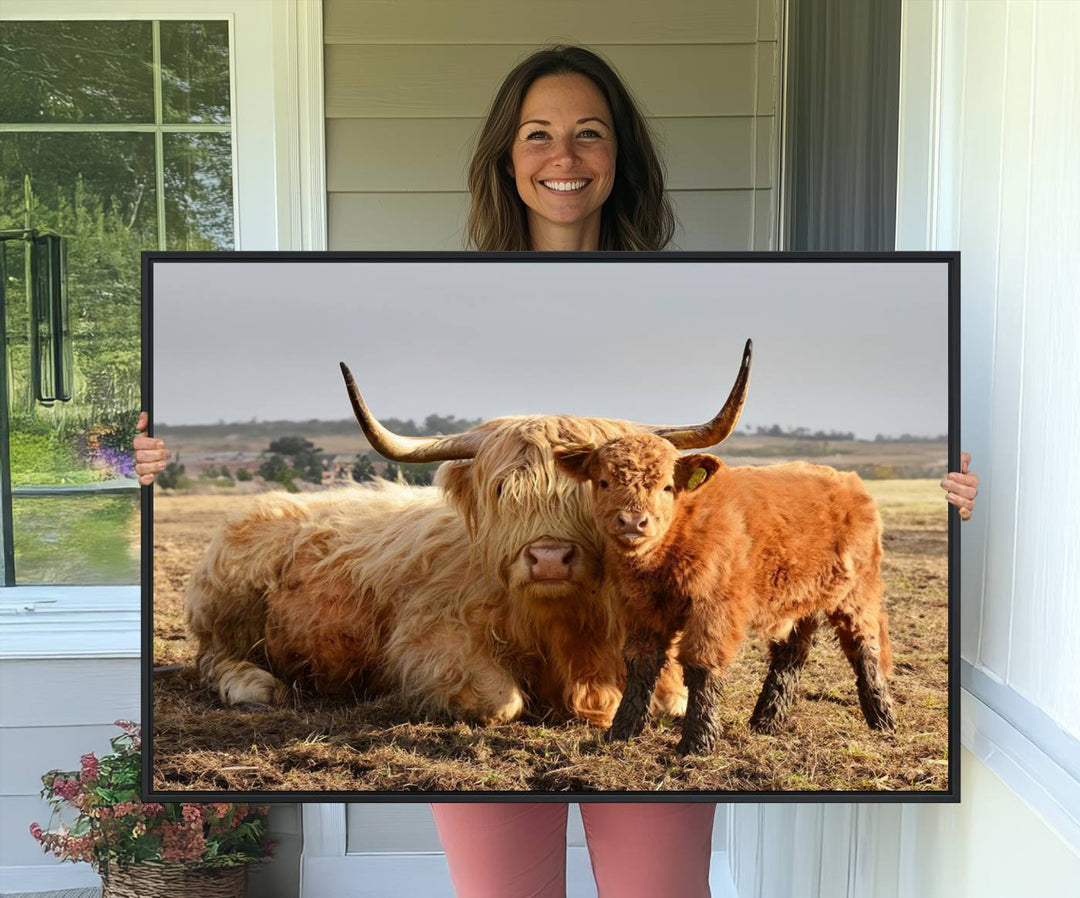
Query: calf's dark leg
{"points": [[860, 645], [642, 672], [779, 691], [701, 728]]}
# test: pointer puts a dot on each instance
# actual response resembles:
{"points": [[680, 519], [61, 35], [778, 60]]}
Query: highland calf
{"points": [[712, 551]]}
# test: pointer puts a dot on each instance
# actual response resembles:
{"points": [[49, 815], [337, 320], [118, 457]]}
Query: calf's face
{"points": [[638, 482]]}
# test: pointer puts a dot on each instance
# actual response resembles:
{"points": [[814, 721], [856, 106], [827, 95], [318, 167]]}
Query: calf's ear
{"points": [[691, 471], [574, 461]]}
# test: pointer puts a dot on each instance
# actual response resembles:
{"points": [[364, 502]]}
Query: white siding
{"points": [[1008, 197], [408, 83], [990, 138]]}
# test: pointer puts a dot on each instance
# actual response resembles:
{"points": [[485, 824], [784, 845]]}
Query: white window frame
{"points": [[276, 87]]}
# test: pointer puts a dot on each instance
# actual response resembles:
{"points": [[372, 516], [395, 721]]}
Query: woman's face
{"points": [[563, 155]]}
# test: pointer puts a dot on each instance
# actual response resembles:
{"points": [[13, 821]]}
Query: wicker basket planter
{"points": [[150, 880]]}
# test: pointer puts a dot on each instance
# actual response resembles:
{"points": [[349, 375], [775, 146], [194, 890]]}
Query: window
{"points": [[117, 136]]}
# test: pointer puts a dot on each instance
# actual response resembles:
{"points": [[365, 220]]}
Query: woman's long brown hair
{"points": [[637, 214]]}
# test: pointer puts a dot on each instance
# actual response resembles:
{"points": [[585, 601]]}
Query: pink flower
{"points": [[192, 813], [181, 842], [66, 789], [89, 768], [153, 809], [36, 831]]}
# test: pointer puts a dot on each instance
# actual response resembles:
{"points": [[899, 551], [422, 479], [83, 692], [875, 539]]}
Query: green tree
{"points": [[172, 477], [243, 474], [363, 470], [276, 470]]}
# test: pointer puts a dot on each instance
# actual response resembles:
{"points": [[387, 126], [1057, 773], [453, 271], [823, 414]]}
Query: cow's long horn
{"points": [[701, 436], [407, 449]]}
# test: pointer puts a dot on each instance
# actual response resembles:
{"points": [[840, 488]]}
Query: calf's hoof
{"points": [[882, 719], [695, 745], [623, 732], [766, 724]]}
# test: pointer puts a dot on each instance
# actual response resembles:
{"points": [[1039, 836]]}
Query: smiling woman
{"points": [[565, 161]]}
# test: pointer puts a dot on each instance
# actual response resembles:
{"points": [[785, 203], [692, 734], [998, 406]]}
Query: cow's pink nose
{"points": [[550, 560], [633, 521]]}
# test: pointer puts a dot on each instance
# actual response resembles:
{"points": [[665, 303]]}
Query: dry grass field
{"points": [[323, 744]]}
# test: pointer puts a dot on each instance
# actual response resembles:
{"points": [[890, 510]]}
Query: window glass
{"points": [[65, 72], [198, 192], [195, 71], [114, 181]]}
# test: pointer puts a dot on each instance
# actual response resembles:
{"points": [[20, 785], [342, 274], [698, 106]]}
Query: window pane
{"points": [[195, 72], [198, 192], [80, 540], [76, 72], [98, 191]]}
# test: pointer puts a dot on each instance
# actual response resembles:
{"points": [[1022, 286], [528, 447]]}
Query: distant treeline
{"points": [[910, 438], [804, 433], [266, 430]]}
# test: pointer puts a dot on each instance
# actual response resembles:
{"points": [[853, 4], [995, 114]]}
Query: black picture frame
{"points": [[946, 343]]}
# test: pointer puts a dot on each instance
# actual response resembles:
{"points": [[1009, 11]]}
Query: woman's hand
{"points": [[150, 453], [962, 488]]}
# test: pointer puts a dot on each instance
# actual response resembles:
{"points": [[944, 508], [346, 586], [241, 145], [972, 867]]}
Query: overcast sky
{"points": [[844, 346]]}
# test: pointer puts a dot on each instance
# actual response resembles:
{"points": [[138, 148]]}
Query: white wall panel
{"points": [[389, 827], [62, 693], [1046, 622], [979, 172]]}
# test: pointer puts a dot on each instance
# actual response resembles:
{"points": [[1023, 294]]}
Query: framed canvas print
{"points": [[451, 526]]}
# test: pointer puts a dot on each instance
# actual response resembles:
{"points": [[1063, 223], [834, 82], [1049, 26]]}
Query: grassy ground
{"points": [[325, 744]]}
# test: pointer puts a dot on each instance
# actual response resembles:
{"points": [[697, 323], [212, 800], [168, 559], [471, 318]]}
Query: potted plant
{"points": [[145, 848]]}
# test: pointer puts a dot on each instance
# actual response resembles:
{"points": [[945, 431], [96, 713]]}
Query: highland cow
{"points": [[483, 597], [713, 551]]}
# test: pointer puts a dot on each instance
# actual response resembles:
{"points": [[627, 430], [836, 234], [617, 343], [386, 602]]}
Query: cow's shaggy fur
{"points": [[713, 551], [423, 591]]}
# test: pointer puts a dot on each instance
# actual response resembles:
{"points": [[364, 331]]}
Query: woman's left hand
{"points": [[962, 487]]}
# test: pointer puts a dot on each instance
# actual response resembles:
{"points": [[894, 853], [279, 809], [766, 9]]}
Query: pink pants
{"points": [[519, 850]]}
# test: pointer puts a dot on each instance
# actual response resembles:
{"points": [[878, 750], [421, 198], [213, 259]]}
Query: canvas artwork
{"points": [[454, 526]]}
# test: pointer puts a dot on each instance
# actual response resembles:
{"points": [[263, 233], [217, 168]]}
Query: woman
{"points": [[565, 162]]}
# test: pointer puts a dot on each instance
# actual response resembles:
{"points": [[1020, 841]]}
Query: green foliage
{"points": [[363, 470], [276, 470], [293, 445], [304, 460], [243, 474], [77, 539], [421, 474], [392, 472], [172, 478], [113, 826]]}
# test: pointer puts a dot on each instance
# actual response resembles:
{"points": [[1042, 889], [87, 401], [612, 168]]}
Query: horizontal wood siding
{"points": [[523, 22], [411, 81], [408, 83], [423, 155]]}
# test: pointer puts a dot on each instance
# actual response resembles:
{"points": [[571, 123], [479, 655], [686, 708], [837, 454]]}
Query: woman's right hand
{"points": [[150, 453]]}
